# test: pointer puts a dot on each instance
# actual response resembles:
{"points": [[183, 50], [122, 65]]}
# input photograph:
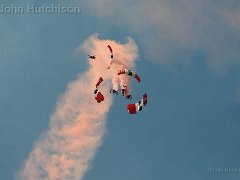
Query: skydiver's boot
{"points": [[145, 99]]}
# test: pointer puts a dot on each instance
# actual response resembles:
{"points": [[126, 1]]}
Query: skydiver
{"points": [[99, 98], [134, 108], [125, 92], [111, 51], [129, 97], [113, 91], [92, 57], [110, 48], [130, 73]]}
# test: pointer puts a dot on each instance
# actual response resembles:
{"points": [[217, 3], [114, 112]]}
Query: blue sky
{"points": [[189, 64]]}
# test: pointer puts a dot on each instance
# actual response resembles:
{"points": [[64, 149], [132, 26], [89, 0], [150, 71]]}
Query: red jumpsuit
{"points": [[99, 98], [132, 108]]}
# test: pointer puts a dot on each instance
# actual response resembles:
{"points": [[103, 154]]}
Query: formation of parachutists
{"points": [[132, 108]]}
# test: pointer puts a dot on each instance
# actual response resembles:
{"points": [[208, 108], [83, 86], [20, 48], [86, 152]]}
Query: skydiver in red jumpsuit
{"points": [[113, 91], [111, 51], [99, 98], [134, 108], [125, 92]]}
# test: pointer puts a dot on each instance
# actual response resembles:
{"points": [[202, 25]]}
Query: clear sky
{"points": [[189, 62]]}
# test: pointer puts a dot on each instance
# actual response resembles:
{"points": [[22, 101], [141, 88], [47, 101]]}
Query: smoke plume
{"points": [[77, 126]]}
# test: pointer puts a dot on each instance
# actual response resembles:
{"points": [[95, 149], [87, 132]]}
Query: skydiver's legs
{"points": [[113, 91], [142, 102], [144, 99], [123, 91], [129, 97]]}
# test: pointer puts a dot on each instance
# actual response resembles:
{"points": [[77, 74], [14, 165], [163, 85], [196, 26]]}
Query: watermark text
{"points": [[39, 9]]}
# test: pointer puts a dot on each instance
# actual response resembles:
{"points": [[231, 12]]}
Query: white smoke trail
{"points": [[77, 126]]}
